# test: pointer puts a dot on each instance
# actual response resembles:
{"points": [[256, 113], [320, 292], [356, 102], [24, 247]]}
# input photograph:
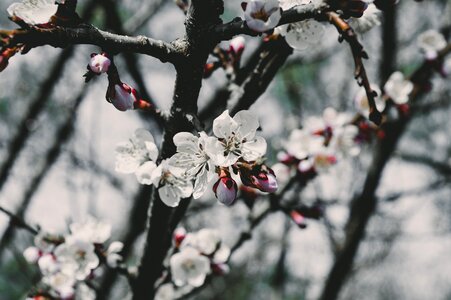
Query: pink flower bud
{"points": [[298, 218], [179, 235], [237, 45], [220, 269], [265, 182], [225, 190], [99, 63], [122, 96]]}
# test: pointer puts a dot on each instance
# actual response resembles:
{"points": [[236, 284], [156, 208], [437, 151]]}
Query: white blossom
{"points": [[32, 254], [47, 264], [430, 42], [62, 283], [300, 35], [192, 157], [165, 292], [237, 44], [262, 15], [398, 88], [172, 183], [137, 156], [302, 143], [33, 12], [189, 267], [370, 18], [343, 140], [235, 139], [362, 104], [76, 256], [205, 240], [91, 230], [113, 258]]}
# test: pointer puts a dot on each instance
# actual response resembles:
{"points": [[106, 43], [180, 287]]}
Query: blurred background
{"points": [[58, 135]]}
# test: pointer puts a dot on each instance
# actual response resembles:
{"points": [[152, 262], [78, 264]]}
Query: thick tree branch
{"points": [[62, 37]]}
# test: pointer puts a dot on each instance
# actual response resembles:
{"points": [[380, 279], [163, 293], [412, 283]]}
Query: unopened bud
{"points": [[122, 96], [298, 218], [266, 182], [99, 63], [225, 190], [237, 45], [178, 236], [220, 269]]}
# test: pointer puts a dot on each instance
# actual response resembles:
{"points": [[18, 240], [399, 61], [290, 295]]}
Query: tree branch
{"points": [[61, 37]]}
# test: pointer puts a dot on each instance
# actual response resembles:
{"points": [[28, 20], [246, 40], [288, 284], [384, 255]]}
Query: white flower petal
{"points": [[144, 172], [223, 125], [33, 12]]}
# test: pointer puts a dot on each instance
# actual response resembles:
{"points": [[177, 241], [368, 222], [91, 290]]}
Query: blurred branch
{"points": [[364, 205], [18, 222], [389, 44]]}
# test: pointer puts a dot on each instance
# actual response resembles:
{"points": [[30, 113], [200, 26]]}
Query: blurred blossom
{"points": [[32, 254], [33, 12], [430, 42], [91, 230], [300, 35], [362, 104], [398, 88], [134, 154], [370, 18], [189, 267]]}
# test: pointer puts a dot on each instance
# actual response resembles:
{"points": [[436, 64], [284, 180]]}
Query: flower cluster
{"points": [[67, 262], [318, 146], [430, 42], [202, 161], [196, 256]]}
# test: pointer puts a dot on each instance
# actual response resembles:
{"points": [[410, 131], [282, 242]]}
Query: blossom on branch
{"points": [[33, 12], [300, 35], [370, 18], [430, 42], [262, 15], [138, 156], [189, 267], [398, 88]]}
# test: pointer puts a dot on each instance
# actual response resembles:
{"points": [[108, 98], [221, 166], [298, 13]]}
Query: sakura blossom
{"points": [[193, 158], [189, 267], [77, 256], [262, 15], [362, 104], [113, 258], [33, 12], [138, 155], [32, 254], [172, 183], [398, 88], [371, 18], [430, 42], [205, 240], [235, 138], [301, 35], [91, 230]]}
